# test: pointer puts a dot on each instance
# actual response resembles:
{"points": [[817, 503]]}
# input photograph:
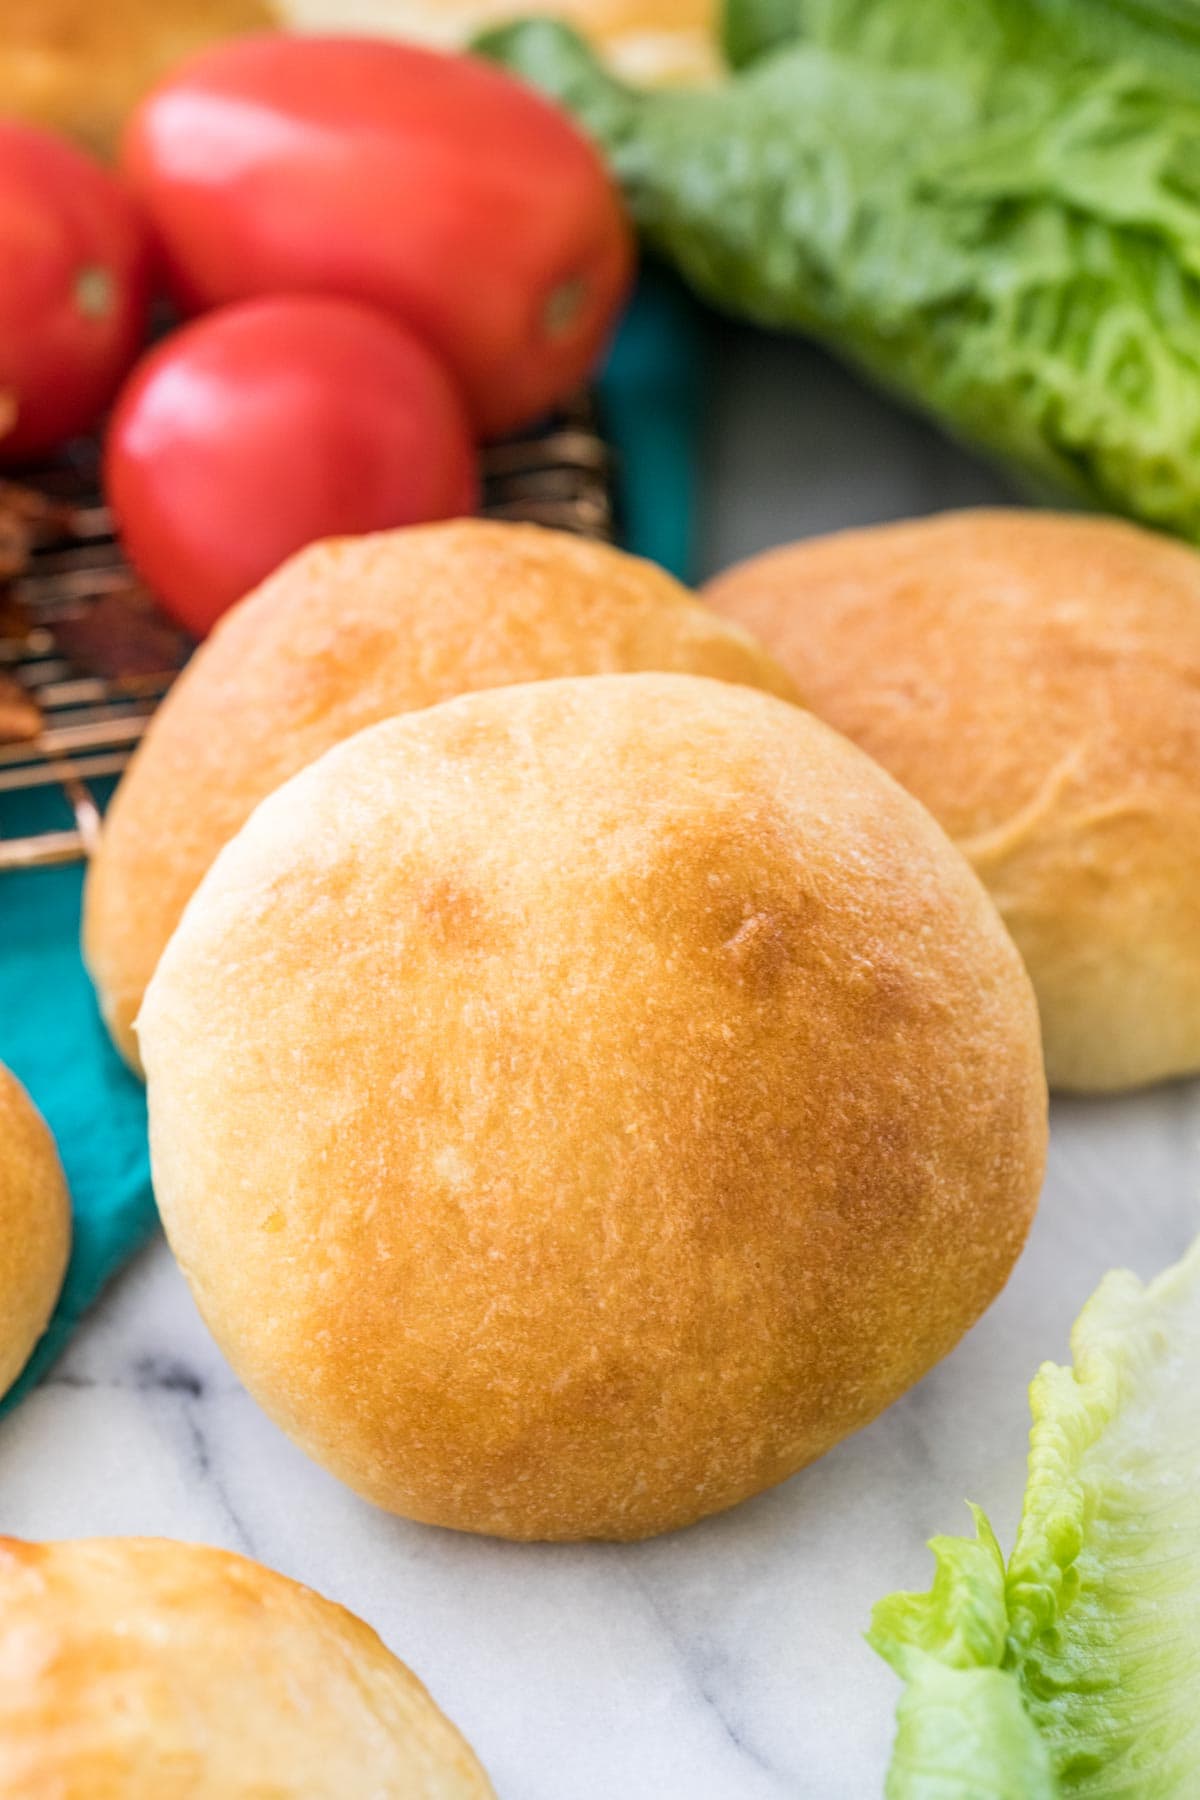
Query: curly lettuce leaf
{"points": [[1076, 1670], [1162, 35], [1010, 243], [962, 1734]]}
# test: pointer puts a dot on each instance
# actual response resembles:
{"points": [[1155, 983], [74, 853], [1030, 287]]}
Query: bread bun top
{"points": [[1034, 678], [578, 1105], [344, 634], [139, 1669], [35, 1227]]}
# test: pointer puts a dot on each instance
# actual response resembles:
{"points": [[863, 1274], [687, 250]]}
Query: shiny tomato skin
{"points": [[264, 426], [436, 186], [74, 288]]}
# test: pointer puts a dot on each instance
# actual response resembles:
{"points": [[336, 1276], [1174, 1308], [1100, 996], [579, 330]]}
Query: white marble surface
{"points": [[725, 1662]]}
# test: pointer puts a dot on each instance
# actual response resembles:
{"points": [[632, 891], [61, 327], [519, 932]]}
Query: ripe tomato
{"points": [[435, 186], [260, 428], [74, 279]]}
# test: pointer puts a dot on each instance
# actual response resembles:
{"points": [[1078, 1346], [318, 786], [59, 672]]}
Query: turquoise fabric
{"points": [[651, 401], [50, 1034], [52, 1039]]}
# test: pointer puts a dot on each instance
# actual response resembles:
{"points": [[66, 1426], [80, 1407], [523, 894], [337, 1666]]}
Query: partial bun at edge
{"points": [[179, 1669], [35, 1227]]}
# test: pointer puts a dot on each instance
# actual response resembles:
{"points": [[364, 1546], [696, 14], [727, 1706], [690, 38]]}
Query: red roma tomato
{"points": [[74, 279], [435, 186], [262, 427]]}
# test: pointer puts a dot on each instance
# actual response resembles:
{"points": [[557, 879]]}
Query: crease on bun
{"points": [[1034, 679]]}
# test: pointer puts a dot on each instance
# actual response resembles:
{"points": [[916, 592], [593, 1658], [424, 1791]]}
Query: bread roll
{"points": [[35, 1227], [79, 66], [652, 42], [137, 1669], [577, 1106], [346, 633], [1034, 679]]}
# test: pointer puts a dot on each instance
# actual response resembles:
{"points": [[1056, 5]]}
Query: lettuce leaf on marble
{"points": [[991, 212], [1075, 1671]]}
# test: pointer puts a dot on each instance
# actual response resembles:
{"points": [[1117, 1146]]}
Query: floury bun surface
{"points": [[35, 1227], [579, 1105], [1034, 679], [346, 633], [140, 1669]]}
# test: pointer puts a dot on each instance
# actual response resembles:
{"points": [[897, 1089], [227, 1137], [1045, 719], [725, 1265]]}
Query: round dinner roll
{"points": [[139, 1669], [346, 633], [35, 1227], [1034, 678], [579, 1105]]}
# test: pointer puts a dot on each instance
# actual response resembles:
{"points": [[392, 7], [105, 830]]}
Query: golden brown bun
{"points": [[578, 1106], [35, 1228], [80, 65], [138, 1669], [1034, 679], [346, 633], [652, 42]]}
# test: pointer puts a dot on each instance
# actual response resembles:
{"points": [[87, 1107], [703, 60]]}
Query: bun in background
{"points": [[80, 66], [1034, 679], [655, 43]]}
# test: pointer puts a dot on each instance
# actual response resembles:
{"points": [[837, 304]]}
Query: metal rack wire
{"points": [[89, 718]]}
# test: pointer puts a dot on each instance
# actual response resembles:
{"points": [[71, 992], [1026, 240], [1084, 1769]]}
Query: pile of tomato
{"points": [[381, 256]]}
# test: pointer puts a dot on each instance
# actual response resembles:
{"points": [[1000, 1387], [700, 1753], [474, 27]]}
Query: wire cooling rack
{"points": [[85, 657]]}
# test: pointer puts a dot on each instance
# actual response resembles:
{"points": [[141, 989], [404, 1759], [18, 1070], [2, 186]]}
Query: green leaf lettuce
{"points": [[991, 207], [1076, 1670], [979, 35]]}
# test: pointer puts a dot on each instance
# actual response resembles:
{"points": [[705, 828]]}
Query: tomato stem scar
{"points": [[94, 291], [563, 305]]}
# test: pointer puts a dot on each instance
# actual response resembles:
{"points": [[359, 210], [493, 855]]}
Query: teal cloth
{"points": [[651, 402], [52, 1040], [50, 1034]]}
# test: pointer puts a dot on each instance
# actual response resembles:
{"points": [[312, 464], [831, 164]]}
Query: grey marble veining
{"points": [[721, 1663]]}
